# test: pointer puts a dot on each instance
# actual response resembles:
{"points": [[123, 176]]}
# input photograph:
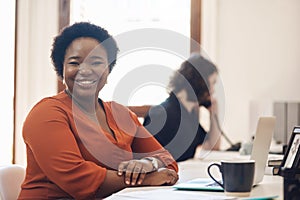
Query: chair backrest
{"points": [[11, 178]]}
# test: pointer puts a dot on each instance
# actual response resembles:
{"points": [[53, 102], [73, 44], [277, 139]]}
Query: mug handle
{"points": [[211, 176]]}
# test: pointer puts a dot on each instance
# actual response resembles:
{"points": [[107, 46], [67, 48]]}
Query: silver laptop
{"points": [[260, 151], [261, 146]]}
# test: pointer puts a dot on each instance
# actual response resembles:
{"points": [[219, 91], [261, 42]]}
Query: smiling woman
{"points": [[95, 147]]}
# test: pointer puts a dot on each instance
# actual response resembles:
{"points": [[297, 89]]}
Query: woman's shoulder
{"points": [[59, 100], [169, 106], [46, 109]]}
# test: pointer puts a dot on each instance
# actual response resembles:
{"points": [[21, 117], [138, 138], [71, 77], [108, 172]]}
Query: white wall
{"points": [[256, 45], [37, 25]]}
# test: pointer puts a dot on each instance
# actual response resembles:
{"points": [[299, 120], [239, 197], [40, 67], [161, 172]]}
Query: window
{"points": [[140, 21]]}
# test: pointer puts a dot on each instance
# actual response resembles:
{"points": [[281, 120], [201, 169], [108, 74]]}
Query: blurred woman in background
{"points": [[175, 122]]}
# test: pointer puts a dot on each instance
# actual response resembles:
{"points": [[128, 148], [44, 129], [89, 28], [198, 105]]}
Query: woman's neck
{"points": [[89, 105]]}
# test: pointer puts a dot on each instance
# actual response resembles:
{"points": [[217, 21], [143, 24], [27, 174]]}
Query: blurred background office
{"points": [[254, 43]]}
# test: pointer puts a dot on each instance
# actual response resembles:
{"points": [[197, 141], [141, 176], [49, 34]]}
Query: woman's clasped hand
{"points": [[135, 171]]}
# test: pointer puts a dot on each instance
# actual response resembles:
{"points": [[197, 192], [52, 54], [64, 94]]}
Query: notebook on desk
{"points": [[260, 150]]}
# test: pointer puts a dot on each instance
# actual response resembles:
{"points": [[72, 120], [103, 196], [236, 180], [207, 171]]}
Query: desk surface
{"points": [[197, 168]]}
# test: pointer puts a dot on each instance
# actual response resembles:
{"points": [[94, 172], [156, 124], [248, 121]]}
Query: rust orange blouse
{"points": [[68, 153]]}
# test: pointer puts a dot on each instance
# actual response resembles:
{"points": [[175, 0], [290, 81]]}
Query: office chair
{"points": [[11, 178]]}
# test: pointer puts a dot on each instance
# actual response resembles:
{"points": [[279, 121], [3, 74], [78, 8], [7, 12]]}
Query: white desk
{"points": [[195, 168]]}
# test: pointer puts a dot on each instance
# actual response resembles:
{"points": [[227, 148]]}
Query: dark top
{"points": [[175, 128]]}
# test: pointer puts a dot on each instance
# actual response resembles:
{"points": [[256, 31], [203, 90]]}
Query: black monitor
{"points": [[290, 167], [292, 154]]}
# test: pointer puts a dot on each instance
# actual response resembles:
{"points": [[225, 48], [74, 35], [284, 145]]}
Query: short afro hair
{"points": [[82, 29]]}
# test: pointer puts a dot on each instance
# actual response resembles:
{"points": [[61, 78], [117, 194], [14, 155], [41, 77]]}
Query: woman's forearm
{"points": [[111, 184], [114, 182]]}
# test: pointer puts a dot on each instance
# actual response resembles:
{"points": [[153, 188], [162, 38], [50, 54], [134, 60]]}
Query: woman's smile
{"points": [[86, 83]]}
